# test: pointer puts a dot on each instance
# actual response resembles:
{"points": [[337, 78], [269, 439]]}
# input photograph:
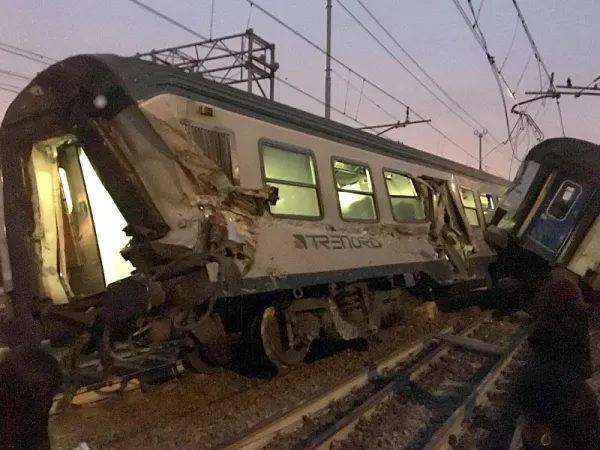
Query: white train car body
{"points": [[217, 200]]}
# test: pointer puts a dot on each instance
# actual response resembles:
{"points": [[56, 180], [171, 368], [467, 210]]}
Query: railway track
{"points": [[423, 395]]}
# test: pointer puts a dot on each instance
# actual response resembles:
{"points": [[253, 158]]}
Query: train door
{"points": [[78, 227], [558, 215]]}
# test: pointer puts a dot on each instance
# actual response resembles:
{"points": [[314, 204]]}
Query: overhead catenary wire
{"points": [[416, 63], [224, 47], [345, 66], [480, 38], [369, 99], [512, 42], [515, 128], [10, 86], [312, 44], [14, 74], [30, 58], [318, 100], [28, 54], [7, 89], [538, 56], [483, 44]]}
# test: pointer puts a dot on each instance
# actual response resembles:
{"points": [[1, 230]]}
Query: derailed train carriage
{"points": [[549, 216], [146, 208]]}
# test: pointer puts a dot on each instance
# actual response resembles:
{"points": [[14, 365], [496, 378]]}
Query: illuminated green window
{"points": [[407, 206], [292, 172], [355, 191], [487, 206], [468, 202]]}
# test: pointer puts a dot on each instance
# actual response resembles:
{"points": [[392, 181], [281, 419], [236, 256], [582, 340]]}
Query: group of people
{"points": [[559, 407]]}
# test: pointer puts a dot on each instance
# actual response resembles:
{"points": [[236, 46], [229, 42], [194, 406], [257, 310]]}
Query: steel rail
{"points": [[453, 428], [263, 433], [342, 429]]}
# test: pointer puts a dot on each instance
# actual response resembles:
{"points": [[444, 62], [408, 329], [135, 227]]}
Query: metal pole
{"points": [[249, 60], [480, 136], [328, 65], [272, 74], [480, 157]]}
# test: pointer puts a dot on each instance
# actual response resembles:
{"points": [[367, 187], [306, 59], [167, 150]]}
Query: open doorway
{"points": [[79, 229]]}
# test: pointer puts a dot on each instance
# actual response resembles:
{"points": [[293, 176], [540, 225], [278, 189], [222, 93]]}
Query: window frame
{"points": [[264, 142], [580, 191], [337, 191], [233, 156], [477, 205], [389, 196], [494, 201]]}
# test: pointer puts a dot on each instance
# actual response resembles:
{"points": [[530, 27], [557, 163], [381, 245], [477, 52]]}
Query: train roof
{"points": [[126, 80], [576, 155]]}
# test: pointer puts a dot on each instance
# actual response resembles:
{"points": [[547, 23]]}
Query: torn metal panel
{"points": [[50, 250], [222, 218], [449, 232]]}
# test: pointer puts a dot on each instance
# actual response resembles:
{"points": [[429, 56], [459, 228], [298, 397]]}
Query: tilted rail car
{"points": [[146, 206], [549, 216]]}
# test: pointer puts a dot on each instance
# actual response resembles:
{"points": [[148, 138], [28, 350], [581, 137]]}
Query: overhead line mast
{"points": [[328, 64]]}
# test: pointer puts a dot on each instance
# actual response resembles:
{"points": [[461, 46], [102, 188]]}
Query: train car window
{"points": [[293, 173], [487, 206], [470, 207], [407, 206], [563, 200], [355, 191]]}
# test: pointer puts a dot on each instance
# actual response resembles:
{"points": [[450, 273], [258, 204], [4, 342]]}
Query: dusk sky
{"points": [[434, 33]]}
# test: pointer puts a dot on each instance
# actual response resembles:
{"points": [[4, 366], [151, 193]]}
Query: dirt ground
{"points": [[198, 412]]}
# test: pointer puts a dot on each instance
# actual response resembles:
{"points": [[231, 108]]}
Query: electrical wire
{"points": [[168, 19], [523, 72], [318, 100], [27, 53], [370, 100], [11, 86], [477, 32], [18, 75], [312, 44], [483, 44], [200, 36], [538, 56], [345, 66], [30, 58], [9, 90], [386, 31], [512, 42]]}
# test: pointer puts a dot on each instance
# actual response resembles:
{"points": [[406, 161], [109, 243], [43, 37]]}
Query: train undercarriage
{"points": [[277, 330]]}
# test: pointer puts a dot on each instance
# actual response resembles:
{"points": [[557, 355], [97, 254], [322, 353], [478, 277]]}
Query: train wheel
{"points": [[274, 339]]}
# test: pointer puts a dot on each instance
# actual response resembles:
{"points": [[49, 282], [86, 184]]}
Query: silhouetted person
{"points": [[29, 379], [562, 332], [559, 408], [20, 330]]}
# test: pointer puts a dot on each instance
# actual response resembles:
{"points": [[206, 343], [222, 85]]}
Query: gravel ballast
{"points": [[199, 411]]}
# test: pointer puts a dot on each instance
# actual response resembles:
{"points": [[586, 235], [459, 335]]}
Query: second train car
{"points": [[549, 216]]}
